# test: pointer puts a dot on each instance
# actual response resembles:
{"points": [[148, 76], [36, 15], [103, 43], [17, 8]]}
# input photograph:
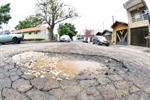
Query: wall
{"points": [[131, 3], [139, 24], [137, 11], [108, 36], [118, 27], [43, 35]]}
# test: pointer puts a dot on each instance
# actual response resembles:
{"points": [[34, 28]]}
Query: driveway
{"points": [[74, 71]]}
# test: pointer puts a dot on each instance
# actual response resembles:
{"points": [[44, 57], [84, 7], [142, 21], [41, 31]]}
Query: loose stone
{"points": [[21, 85]]}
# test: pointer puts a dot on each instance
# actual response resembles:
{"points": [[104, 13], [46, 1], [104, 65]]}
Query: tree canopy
{"points": [[4, 13], [67, 29], [30, 21], [53, 12]]}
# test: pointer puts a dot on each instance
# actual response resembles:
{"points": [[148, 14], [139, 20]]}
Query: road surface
{"points": [[124, 75]]}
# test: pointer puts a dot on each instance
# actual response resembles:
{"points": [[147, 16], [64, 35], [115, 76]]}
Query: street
{"points": [[74, 71]]}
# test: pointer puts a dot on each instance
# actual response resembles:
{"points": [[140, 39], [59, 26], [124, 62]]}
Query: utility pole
{"points": [[103, 25], [113, 19]]}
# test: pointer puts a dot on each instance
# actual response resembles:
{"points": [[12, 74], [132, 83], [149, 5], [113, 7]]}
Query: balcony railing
{"points": [[140, 18]]}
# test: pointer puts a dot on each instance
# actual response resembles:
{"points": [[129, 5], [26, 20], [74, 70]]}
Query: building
{"points": [[108, 35], [89, 33], [120, 33], [138, 22], [34, 33]]}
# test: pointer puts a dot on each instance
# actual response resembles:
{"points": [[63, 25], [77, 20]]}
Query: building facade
{"points": [[34, 33], [108, 35], [138, 22], [120, 33]]}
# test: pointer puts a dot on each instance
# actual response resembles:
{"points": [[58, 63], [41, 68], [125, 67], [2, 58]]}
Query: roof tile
{"points": [[30, 29]]}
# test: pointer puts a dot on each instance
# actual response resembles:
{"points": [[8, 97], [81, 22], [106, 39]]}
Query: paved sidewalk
{"points": [[133, 48]]}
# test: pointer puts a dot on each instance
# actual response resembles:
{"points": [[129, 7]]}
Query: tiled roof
{"points": [[30, 29], [118, 22]]}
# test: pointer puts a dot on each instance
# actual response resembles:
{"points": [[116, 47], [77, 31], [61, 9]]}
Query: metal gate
{"points": [[138, 36], [122, 37]]}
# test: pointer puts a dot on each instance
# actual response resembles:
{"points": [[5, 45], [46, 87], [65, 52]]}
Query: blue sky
{"points": [[93, 13]]}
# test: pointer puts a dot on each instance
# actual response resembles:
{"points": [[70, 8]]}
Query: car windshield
{"points": [[65, 36], [7, 32], [101, 37], [1, 33]]}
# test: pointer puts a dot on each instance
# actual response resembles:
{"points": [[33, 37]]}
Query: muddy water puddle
{"points": [[69, 66]]}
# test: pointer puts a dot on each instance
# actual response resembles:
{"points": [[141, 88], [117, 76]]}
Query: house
{"points": [[138, 22], [34, 33], [89, 33], [108, 35], [99, 33], [120, 33]]}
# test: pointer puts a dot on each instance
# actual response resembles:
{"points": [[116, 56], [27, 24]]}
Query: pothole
{"points": [[57, 66], [41, 64]]}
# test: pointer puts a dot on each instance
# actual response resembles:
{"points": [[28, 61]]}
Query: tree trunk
{"points": [[51, 34]]}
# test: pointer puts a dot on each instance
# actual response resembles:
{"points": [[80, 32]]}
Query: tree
{"points": [[4, 13], [67, 29], [53, 12], [30, 21]]}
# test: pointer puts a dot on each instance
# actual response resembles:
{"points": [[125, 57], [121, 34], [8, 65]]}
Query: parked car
{"points": [[65, 38], [85, 40], [100, 40], [8, 36]]}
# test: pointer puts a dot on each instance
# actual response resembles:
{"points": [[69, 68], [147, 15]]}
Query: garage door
{"points": [[138, 36], [122, 37]]}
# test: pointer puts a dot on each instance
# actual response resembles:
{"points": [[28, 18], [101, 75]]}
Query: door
{"points": [[122, 37], [7, 36], [138, 36]]}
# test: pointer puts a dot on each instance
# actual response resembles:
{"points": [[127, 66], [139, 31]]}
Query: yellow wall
{"points": [[117, 28], [108, 37], [43, 34]]}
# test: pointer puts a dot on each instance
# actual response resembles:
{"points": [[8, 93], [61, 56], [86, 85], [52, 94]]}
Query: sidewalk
{"points": [[134, 48]]}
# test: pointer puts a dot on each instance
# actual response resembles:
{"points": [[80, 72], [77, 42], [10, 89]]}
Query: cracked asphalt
{"points": [[126, 75]]}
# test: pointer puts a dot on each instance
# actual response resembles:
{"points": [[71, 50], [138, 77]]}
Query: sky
{"points": [[94, 14]]}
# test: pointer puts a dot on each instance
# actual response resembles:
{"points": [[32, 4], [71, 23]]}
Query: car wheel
{"points": [[107, 44], [19, 41], [99, 43], [3, 43], [15, 40]]}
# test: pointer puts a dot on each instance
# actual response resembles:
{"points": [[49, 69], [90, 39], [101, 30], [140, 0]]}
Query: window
{"points": [[30, 33], [7, 32], [36, 32], [145, 14], [137, 15]]}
